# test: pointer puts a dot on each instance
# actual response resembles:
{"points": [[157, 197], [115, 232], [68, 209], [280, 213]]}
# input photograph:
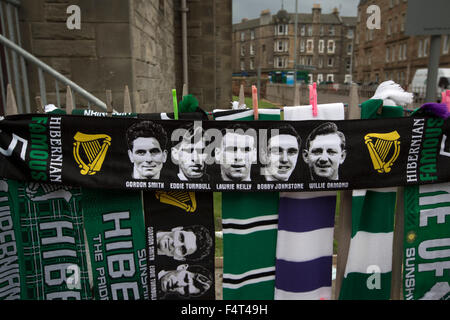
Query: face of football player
{"points": [[191, 159], [184, 282], [282, 155], [325, 155], [176, 243], [237, 155], [148, 158]]}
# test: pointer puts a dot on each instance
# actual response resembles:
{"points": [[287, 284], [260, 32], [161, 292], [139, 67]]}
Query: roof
{"points": [[303, 18]]}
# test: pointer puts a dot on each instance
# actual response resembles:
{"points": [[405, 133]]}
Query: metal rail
{"points": [[44, 67]]}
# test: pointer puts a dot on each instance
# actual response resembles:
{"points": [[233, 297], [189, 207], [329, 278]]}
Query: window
{"points": [[395, 25], [310, 29], [309, 61], [420, 49], [402, 23], [302, 30], [242, 36], [286, 45], [425, 47], [370, 34], [321, 46], [309, 46], [279, 62], [387, 54], [322, 31], [347, 65], [331, 30], [350, 33], [302, 45], [280, 28], [400, 52], [252, 34], [349, 48], [445, 45], [348, 78], [320, 62], [330, 62], [330, 77], [389, 27], [252, 64], [280, 46], [391, 3], [242, 65], [320, 78], [393, 53], [252, 49], [310, 78], [405, 48], [330, 46], [242, 51]]}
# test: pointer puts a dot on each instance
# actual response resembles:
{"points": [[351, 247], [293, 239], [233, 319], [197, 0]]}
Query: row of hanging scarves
{"points": [[304, 247], [297, 264], [79, 243]]}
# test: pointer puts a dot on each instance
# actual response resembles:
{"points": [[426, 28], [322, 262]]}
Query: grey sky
{"points": [[252, 8]]}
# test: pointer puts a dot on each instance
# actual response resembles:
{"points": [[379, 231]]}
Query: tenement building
{"points": [[324, 44], [388, 53]]}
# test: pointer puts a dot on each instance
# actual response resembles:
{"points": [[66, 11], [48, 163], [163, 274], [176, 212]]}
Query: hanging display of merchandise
{"points": [[98, 152]]}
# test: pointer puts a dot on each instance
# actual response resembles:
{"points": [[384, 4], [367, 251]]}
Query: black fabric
{"points": [[36, 147]]}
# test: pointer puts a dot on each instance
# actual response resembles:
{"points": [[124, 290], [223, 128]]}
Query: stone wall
{"points": [[153, 54], [135, 43], [97, 57], [209, 52]]}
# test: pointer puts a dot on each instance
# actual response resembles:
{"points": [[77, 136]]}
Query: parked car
{"points": [[418, 84]]}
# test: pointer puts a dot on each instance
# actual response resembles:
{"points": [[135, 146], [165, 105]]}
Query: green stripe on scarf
{"points": [[253, 252], [369, 265], [51, 225], [115, 230]]}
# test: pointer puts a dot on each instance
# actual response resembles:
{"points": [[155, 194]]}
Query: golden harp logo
{"points": [[89, 151], [384, 149], [181, 199]]}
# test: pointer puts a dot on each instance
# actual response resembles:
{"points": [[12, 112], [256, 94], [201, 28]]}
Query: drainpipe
{"points": [[184, 11]]}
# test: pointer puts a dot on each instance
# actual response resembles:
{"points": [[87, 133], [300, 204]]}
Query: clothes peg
{"points": [[313, 98], [255, 102], [175, 104], [446, 98]]}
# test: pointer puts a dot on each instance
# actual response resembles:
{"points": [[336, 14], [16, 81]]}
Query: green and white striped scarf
{"points": [[369, 264], [250, 222]]}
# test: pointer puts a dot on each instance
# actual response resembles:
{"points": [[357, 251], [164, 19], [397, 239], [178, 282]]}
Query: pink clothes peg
{"points": [[313, 98], [446, 98], [255, 102]]}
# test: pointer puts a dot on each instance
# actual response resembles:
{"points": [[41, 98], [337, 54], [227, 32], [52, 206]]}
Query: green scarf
{"points": [[369, 265]]}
